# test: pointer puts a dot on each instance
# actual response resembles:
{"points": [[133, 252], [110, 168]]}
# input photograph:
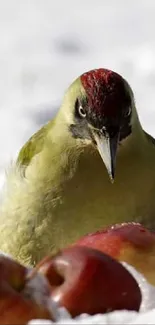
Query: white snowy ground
{"points": [[45, 44]]}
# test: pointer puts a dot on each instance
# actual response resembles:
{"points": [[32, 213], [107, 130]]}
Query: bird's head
{"points": [[98, 110]]}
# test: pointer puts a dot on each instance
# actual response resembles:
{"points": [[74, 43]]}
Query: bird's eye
{"points": [[82, 112], [128, 112]]}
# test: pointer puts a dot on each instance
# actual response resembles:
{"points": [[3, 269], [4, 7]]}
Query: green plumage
{"points": [[32, 147], [65, 191]]}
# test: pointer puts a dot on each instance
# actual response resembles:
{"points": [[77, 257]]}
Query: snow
{"points": [[45, 44]]}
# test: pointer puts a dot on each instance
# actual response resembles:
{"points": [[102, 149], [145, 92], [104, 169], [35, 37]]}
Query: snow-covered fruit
{"points": [[85, 280], [129, 242]]}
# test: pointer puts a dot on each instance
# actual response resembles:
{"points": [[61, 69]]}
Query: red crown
{"points": [[106, 92]]}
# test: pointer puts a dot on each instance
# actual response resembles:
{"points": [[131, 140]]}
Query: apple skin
{"points": [[84, 280], [13, 273], [15, 308], [129, 242]]}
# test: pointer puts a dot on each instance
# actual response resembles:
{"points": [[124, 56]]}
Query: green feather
{"points": [[150, 138], [32, 147], [67, 193]]}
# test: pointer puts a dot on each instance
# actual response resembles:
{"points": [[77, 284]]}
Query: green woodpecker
{"points": [[59, 188]]}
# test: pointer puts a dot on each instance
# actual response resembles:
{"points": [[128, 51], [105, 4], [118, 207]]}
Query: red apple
{"points": [[129, 242], [13, 273], [15, 307], [85, 280]]}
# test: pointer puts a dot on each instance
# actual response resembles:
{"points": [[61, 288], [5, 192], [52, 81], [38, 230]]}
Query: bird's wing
{"points": [[150, 138], [31, 148]]}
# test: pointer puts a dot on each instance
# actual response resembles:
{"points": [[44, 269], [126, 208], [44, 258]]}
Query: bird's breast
{"points": [[89, 201]]}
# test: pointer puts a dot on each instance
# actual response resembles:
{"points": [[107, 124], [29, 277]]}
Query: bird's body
{"points": [[59, 189]]}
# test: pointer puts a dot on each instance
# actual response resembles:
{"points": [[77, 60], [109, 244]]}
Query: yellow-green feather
{"points": [[33, 147], [67, 193]]}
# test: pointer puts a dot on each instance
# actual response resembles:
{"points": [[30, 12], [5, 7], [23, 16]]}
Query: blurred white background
{"points": [[45, 44]]}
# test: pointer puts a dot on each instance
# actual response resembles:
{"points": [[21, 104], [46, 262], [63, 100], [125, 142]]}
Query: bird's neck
{"points": [[136, 143]]}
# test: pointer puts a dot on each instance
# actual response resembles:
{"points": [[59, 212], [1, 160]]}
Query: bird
{"points": [[91, 166]]}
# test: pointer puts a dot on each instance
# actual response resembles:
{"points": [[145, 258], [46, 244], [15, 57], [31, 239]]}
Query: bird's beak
{"points": [[107, 147]]}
